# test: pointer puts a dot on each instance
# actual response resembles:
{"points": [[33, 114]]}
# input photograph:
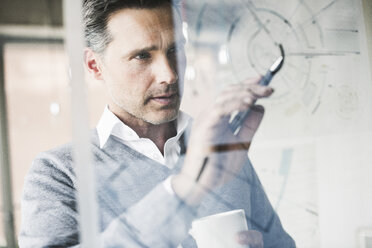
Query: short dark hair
{"points": [[96, 14]]}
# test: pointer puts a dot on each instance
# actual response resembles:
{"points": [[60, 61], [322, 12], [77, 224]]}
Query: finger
{"points": [[241, 99], [245, 83], [238, 102], [236, 94], [259, 90], [252, 238], [220, 137], [252, 122]]}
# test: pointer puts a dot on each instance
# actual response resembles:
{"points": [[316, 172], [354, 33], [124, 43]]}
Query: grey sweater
{"points": [[135, 209]]}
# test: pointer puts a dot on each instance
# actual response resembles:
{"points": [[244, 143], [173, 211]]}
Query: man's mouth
{"points": [[166, 99]]}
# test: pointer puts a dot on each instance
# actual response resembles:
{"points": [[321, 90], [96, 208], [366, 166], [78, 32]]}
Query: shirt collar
{"points": [[109, 124]]}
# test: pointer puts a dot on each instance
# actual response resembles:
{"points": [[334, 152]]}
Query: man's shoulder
{"points": [[60, 152], [61, 156]]}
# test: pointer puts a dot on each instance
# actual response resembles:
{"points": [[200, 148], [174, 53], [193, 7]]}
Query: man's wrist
{"points": [[187, 189]]}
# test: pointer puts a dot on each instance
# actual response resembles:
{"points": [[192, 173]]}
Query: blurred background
{"points": [[37, 88], [317, 132]]}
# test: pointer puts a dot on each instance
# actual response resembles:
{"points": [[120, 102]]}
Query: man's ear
{"points": [[92, 63]]}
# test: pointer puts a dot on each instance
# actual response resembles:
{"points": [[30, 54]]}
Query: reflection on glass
{"points": [[39, 109], [161, 171]]}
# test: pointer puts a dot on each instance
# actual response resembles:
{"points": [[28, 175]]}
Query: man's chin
{"points": [[162, 118]]}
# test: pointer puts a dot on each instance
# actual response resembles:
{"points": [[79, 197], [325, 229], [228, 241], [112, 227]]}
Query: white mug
{"points": [[219, 230]]}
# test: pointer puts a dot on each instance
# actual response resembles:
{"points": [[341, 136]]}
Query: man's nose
{"points": [[165, 71]]}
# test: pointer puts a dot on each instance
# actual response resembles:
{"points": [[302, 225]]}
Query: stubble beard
{"points": [[139, 112]]}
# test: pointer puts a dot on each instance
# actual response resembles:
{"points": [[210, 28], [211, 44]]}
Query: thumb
{"points": [[252, 238], [252, 122]]}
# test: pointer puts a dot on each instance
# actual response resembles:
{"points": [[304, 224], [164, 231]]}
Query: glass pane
{"points": [[318, 119], [39, 106], [165, 89]]}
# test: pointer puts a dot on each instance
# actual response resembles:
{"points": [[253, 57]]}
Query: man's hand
{"points": [[252, 238], [214, 155]]}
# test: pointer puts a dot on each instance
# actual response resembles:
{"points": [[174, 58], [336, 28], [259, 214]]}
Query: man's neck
{"points": [[159, 134]]}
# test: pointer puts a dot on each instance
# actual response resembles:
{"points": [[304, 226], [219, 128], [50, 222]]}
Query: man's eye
{"points": [[143, 56], [175, 50], [172, 50]]}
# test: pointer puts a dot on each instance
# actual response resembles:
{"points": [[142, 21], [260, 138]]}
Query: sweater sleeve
{"points": [[50, 217], [263, 216], [49, 214]]}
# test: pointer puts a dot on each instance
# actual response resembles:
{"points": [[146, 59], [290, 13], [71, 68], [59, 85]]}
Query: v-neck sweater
{"points": [[135, 209]]}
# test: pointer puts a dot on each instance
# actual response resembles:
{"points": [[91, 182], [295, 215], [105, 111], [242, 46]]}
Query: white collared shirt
{"points": [[111, 125]]}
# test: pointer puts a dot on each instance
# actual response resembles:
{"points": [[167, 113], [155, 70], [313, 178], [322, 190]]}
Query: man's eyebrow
{"points": [[140, 50], [152, 48], [180, 42]]}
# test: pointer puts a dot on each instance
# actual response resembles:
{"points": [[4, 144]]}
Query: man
{"points": [[153, 178]]}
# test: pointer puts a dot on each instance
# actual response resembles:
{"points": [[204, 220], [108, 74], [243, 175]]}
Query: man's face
{"points": [[143, 66]]}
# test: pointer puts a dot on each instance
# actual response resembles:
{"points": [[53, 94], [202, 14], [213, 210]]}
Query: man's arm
{"points": [[263, 217], [50, 217], [216, 156], [49, 214]]}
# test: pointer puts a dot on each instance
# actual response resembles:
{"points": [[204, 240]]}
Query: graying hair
{"points": [[96, 14]]}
